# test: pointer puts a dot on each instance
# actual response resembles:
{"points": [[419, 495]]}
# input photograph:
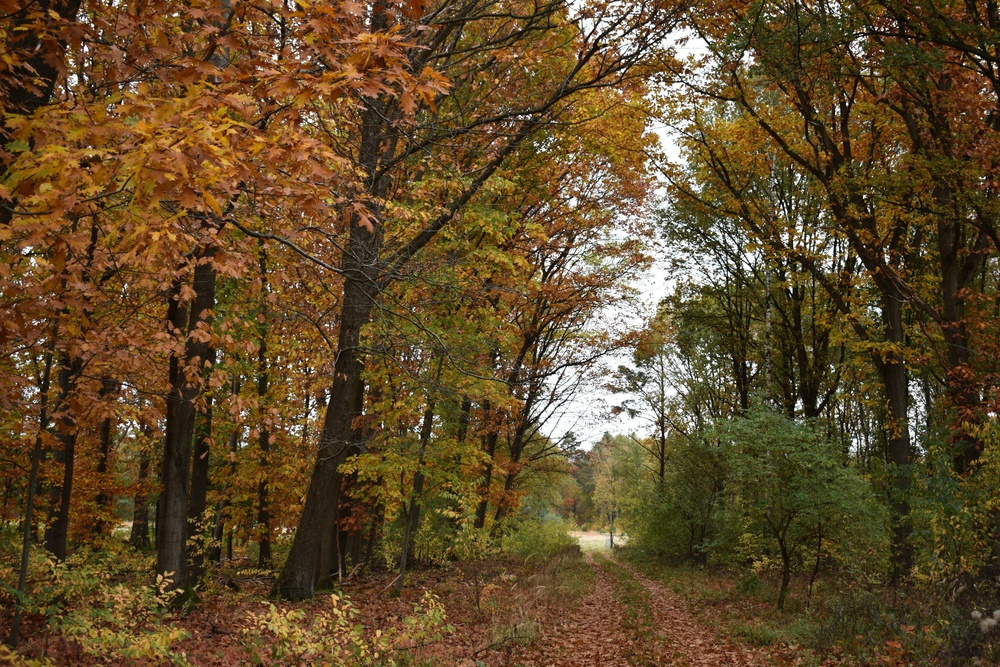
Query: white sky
{"points": [[589, 415]]}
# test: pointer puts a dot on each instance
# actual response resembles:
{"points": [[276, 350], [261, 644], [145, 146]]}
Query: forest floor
{"points": [[626, 619], [570, 611]]}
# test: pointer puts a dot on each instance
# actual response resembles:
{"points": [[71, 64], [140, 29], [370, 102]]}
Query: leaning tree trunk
{"points": [[334, 548], [301, 570], [360, 269]]}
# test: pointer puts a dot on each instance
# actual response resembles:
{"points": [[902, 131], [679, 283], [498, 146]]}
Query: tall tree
{"points": [[491, 129]]}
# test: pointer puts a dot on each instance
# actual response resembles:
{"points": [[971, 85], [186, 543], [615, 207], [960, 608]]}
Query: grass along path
{"points": [[643, 646]]}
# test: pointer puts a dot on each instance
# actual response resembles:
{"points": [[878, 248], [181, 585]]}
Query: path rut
{"points": [[597, 634]]}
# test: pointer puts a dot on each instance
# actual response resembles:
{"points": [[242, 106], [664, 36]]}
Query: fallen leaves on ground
{"points": [[503, 613]]}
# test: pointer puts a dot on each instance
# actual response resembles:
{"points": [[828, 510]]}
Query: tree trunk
{"points": [[892, 368], [263, 511], [67, 426], [963, 390], [172, 519], [786, 575], [65, 454], [335, 546], [139, 537], [218, 531], [8, 487], [29, 503], [464, 419], [199, 486], [413, 516], [502, 508], [490, 447], [109, 388], [819, 554], [373, 532], [299, 575]]}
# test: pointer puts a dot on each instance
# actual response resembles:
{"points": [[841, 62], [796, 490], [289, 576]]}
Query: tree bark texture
{"points": [[172, 518]]}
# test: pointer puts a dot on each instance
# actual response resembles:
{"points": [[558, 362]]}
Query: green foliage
{"points": [[756, 633], [760, 490], [539, 538], [334, 638], [954, 516], [748, 584], [681, 518], [523, 632], [94, 600], [621, 485], [792, 490], [10, 657]]}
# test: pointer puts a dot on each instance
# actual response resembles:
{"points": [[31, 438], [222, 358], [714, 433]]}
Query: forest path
{"points": [[591, 635], [689, 640], [628, 620]]}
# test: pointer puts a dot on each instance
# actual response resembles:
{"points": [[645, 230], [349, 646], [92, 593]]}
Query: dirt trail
{"points": [[688, 641], [597, 634], [590, 636]]}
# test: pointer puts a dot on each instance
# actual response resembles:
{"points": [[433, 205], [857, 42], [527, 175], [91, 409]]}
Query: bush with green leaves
{"points": [[681, 519], [795, 499], [95, 600], [954, 516], [539, 538]]}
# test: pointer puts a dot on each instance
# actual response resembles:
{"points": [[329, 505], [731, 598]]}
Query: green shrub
{"points": [[539, 538], [756, 633], [95, 600], [852, 615], [748, 584]]}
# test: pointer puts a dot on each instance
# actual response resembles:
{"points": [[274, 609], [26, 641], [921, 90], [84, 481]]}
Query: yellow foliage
{"points": [[334, 638]]}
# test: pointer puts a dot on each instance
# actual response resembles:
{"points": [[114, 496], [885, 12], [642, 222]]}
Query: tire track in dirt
{"points": [[594, 634], [591, 636], [686, 642]]}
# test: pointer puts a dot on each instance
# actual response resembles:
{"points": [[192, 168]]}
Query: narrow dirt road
{"points": [[628, 620], [590, 636], [690, 642]]}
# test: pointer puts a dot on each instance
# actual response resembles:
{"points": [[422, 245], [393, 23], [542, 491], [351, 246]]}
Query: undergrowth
{"points": [[102, 604], [335, 638], [539, 539], [843, 622], [515, 606]]}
